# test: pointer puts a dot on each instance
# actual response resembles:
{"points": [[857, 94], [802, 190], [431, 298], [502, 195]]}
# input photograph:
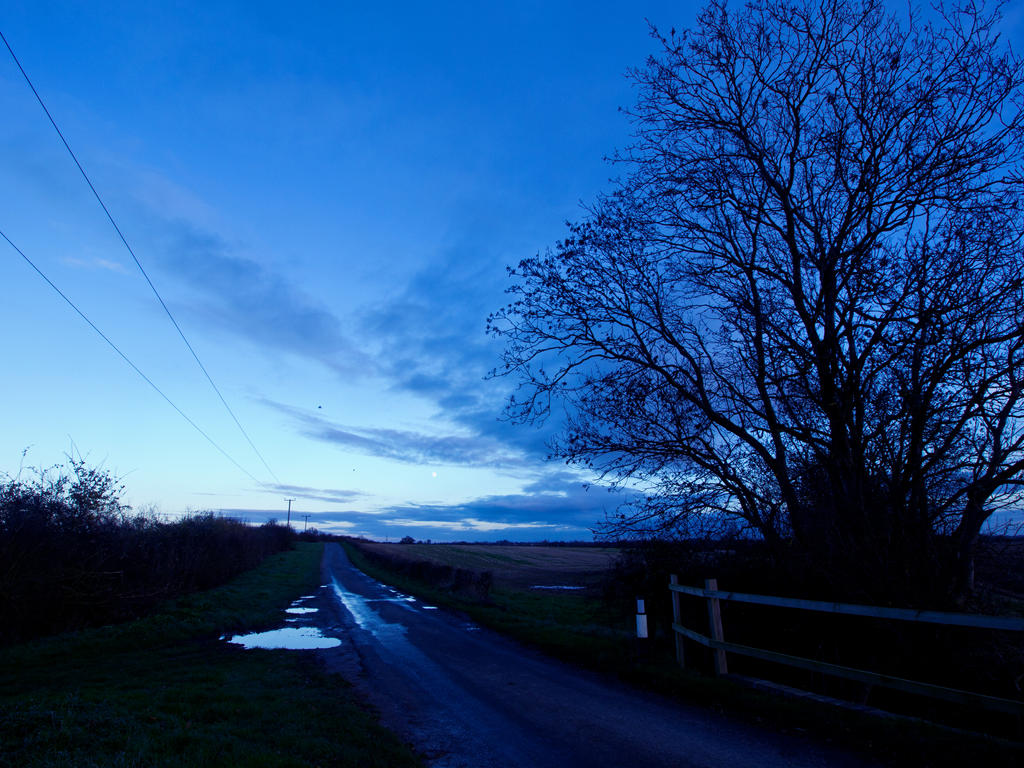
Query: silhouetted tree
{"points": [[801, 308]]}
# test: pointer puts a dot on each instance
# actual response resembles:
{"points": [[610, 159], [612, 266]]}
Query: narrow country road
{"points": [[465, 696]]}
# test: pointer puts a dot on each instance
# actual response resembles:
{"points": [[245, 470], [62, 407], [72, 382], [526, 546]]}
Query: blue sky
{"points": [[327, 196]]}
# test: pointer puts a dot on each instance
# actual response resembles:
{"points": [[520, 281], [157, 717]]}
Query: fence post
{"points": [[715, 620], [677, 618]]}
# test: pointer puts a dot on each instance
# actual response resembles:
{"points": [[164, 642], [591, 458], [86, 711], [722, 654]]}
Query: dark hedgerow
{"points": [[74, 556]]}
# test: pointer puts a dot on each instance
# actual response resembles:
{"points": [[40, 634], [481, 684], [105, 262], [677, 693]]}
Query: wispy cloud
{"points": [[107, 264], [330, 522], [554, 507], [403, 445], [470, 525], [434, 345], [332, 495], [237, 294]]}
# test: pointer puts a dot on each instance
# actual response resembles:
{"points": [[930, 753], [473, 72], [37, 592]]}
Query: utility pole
{"points": [[289, 512], [305, 522]]}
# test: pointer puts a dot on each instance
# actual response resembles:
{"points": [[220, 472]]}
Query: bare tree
{"points": [[802, 307]]}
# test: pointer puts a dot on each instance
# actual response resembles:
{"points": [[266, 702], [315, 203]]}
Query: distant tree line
{"points": [[72, 555], [600, 544]]}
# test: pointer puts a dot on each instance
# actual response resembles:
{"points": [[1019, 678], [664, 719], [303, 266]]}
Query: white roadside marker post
{"points": [[641, 619]]}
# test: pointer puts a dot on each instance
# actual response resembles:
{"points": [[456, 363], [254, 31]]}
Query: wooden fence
{"points": [[717, 643]]}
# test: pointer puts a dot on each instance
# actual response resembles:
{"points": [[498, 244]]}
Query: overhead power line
{"points": [[135, 258], [125, 357]]}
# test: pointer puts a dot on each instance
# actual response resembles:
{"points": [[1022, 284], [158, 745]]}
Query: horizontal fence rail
{"points": [[718, 644], [1010, 623]]}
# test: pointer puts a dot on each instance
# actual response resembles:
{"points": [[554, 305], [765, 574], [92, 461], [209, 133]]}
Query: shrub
{"points": [[73, 555]]}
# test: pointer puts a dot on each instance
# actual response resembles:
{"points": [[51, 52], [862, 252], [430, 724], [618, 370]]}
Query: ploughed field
{"points": [[513, 566]]}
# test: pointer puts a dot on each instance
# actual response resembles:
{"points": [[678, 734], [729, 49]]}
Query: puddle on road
{"points": [[555, 586], [358, 607], [398, 597], [362, 611], [295, 638], [289, 638]]}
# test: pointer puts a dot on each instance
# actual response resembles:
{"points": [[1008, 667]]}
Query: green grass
{"points": [[582, 630], [164, 691]]}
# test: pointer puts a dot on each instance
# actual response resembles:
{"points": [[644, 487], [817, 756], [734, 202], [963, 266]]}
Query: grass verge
{"points": [[164, 691], [583, 631]]}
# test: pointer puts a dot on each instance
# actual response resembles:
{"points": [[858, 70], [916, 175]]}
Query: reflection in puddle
{"points": [[367, 618], [290, 638], [398, 596], [301, 610], [556, 586], [429, 607]]}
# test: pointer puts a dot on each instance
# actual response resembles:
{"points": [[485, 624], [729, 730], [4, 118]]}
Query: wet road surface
{"points": [[465, 696]]}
